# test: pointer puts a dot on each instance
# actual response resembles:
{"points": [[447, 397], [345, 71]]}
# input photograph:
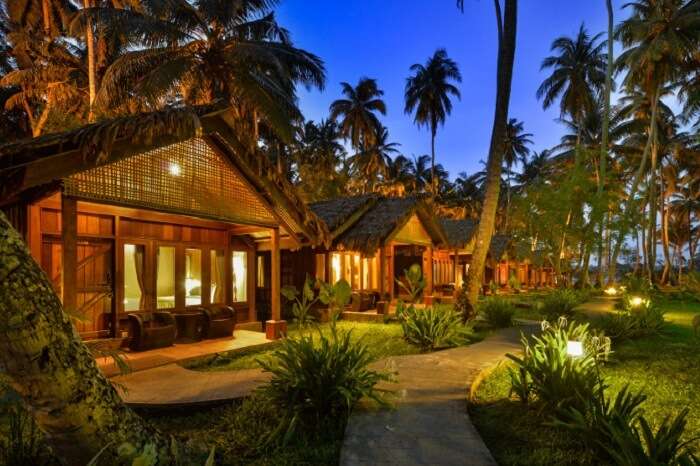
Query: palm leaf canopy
{"points": [[357, 112]]}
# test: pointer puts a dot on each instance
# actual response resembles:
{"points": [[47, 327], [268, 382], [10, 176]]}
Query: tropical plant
{"points": [[556, 378], [302, 302], [413, 282], [315, 380], [23, 442], [428, 93], [517, 150], [374, 160], [560, 302], [638, 317], [498, 312], [335, 296], [357, 112], [431, 327]]}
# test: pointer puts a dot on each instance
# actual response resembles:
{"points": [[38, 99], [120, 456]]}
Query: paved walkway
{"points": [[598, 306], [179, 352], [430, 424]]}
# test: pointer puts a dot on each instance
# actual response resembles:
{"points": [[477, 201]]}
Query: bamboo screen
{"points": [[186, 178]]}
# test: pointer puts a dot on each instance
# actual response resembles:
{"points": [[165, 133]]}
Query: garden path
{"points": [[430, 424]]}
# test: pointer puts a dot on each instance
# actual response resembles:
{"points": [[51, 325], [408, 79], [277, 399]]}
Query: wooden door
{"points": [[93, 316]]}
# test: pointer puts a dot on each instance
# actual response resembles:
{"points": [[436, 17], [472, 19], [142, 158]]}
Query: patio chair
{"points": [[151, 330], [219, 321]]}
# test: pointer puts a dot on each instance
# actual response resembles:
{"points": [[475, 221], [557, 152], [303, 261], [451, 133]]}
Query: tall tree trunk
{"points": [[46, 17], [653, 209], [631, 204], [54, 372], [638, 259], [691, 244], [664, 237], [433, 132], [90, 43], [506, 54]]}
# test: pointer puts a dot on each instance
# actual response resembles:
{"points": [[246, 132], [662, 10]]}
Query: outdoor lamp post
{"points": [[574, 349]]}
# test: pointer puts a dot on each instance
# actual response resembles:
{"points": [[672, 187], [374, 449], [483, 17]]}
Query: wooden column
{"points": [[429, 279], [454, 268], [252, 277], [390, 275], [69, 260], [276, 327], [382, 272]]}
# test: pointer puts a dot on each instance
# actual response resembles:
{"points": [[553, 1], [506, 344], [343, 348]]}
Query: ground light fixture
{"points": [[611, 291], [574, 349], [636, 301]]}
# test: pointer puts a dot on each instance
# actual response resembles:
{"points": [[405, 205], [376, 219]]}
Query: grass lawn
{"points": [[383, 340], [666, 368]]}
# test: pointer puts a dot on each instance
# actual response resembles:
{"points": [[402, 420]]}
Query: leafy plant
{"points": [[493, 288], [555, 377], [636, 319], [303, 303], [24, 442], [316, 381], [513, 282], [462, 304], [413, 282], [498, 312], [431, 327], [561, 302], [336, 297]]}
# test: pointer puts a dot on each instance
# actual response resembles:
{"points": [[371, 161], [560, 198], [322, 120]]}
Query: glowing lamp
{"points": [[574, 349], [174, 169], [611, 291], [636, 301]]}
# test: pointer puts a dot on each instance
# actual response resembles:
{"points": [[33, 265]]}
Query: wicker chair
{"points": [[151, 330], [363, 301], [219, 321]]}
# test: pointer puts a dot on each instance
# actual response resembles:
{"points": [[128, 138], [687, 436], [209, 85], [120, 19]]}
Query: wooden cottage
{"points": [[163, 211]]}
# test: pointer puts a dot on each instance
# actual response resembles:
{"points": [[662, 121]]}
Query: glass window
{"points": [[335, 268], [366, 273], [321, 267], [356, 270], [134, 291], [240, 276], [193, 277], [375, 273], [261, 272], [347, 268], [165, 277], [216, 264]]}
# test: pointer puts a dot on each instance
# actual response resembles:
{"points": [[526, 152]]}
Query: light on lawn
{"points": [[574, 349], [636, 301], [174, 169], [611, 291]]}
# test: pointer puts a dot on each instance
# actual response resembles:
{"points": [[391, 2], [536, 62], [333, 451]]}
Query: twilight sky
{"points": [[382, 38]]}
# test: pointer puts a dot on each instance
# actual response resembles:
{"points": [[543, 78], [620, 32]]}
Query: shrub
{"points": [[562, 302], [462, 304], [335, 296], [413, 282], [431, 327], [314, 382], [553, 376], [513, 282], [638, 317], [301, 305], [498, 312]]}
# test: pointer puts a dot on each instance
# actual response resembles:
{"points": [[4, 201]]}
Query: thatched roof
{"points": [[458, 232], [28, 168], [336, 212], [385, 217]]}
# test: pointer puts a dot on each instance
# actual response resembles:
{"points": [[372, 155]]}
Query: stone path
{"points": [[430, 424]]}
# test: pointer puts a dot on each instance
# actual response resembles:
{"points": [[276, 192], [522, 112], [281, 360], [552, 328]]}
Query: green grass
{"points": [[666, 368], [383, 340]]}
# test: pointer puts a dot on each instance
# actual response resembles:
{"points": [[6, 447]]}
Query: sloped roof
{"points": [[458, 232], [379, 222], [335, 212], [31, 167]]}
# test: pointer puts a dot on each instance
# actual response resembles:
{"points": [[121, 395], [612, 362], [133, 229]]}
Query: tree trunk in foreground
{"points": [[54, 372], [506, 55]]}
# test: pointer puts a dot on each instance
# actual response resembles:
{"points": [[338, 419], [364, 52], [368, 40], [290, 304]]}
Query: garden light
{"points": [[611, 291], [636, 301], [574, 349]]}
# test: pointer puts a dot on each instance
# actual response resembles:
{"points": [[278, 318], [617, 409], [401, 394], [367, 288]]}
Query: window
{"points": [[366, 273], [321, 267], [217, 260], [134, 291], [193, 277], [347, 268], [335, 268], [165, 277], [240, 276], [261, 272], [356, 270]]}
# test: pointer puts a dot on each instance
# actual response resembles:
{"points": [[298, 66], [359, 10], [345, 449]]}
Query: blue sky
{"points": [[382, 38]]}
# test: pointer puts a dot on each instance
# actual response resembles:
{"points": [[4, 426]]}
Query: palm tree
{"points": [[428, 92], [196, 53], [534, 170], [358, 112], [660, 36], [49, 16], [421, 172], [517, 150], [399, 178], [374, 160], [507, 21], [578, 75]]}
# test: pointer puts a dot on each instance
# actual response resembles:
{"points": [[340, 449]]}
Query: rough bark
{"points": [[433, 131], [506, 54], [92, 76], [54, 372]]}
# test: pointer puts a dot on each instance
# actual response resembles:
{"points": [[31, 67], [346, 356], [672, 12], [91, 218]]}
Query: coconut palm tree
{"points": [[535, 169], [196, 53], [372, 162], [517, 150], [357, 112], [48, 16], [428, 93], [578, 75]]}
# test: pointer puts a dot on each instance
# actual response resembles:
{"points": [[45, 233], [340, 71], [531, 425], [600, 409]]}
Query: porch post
{"points": [[275, 328], [69, 248], [428, 295], [454, 268]]}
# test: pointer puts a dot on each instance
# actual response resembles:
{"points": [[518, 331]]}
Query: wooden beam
{"points": [[69, 262], [276, 275], [429, 278], [251, 286]]}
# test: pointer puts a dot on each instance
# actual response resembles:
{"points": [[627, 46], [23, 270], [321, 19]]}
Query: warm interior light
{"points": [[191, 284], [335, 265], [574, 349], [174, 169], [611, 291]]}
